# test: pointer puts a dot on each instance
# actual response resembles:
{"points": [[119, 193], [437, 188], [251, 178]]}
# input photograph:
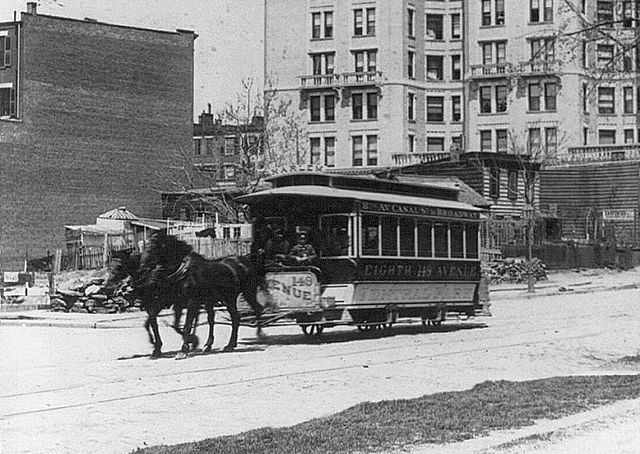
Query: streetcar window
{"points": [[336, 235], [457, 240], [472, 241], [441, 234], [424, 239], [407, 237], [389, 227], [370, 243]]}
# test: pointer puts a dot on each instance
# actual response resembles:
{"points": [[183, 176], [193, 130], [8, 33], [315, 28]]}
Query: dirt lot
{"points": [[79, 390]]}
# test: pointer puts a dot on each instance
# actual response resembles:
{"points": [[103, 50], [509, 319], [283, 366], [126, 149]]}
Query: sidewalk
{"points": [[559, 282]]}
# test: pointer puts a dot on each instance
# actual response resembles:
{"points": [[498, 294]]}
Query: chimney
{"points": [[32, 8], [208, 107], [206, 120]]}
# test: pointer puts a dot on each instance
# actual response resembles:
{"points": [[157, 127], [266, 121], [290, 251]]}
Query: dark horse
{"points": [[152, 296], [171, 263]]}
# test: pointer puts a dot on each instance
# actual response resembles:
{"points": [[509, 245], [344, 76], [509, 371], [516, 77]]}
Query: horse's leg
{"points": [[249, 293], [232, 307], [177, 315], [211, 318], [192, 309], [157, 345]]}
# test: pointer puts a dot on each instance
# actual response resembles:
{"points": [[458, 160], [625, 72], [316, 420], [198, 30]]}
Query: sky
{"points": [[227, 51]]}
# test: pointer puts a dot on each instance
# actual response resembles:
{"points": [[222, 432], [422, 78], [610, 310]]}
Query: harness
{"points": [[182, 269]]}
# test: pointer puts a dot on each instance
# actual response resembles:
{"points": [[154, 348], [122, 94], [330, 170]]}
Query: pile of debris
{"points": [[88, 293], [515, 271]]}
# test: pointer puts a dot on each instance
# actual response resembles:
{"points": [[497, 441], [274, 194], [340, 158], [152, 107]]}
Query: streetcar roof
{"points": [[314, 191]]}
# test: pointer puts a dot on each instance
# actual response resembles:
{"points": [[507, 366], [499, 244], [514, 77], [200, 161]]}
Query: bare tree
{"points": [[268, 138]]}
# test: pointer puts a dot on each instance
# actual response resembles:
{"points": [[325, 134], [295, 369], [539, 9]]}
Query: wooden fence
{"points": [[92, 258]]}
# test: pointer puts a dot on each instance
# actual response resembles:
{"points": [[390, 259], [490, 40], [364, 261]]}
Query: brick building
{"points": [[91, 117]]}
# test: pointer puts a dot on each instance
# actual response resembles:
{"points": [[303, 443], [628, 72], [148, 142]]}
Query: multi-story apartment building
{"points": [[91, 117], [379, 82], [549, 77], [223, 153]]}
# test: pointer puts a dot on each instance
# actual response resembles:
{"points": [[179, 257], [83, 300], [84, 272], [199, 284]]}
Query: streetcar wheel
{"points": [[313, 330]]}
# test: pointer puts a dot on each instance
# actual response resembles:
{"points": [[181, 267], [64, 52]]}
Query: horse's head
{"points": [[123, 264], [163, 252]]}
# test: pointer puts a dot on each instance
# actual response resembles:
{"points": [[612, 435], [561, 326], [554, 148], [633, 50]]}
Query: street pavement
{"points": [[582, 281]]}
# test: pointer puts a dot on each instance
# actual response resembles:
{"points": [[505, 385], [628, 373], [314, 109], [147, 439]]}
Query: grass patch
{"points": [[436, 418]]}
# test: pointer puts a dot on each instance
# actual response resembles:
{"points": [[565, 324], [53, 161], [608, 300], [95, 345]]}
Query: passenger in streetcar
{"points": [[302, 253]]}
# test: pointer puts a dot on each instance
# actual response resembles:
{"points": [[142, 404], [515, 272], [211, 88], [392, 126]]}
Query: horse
{"points": [[202, 281], [126, 264]]}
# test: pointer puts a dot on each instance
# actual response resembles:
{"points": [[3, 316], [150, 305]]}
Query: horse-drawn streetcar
{"points": [[373, 251]]}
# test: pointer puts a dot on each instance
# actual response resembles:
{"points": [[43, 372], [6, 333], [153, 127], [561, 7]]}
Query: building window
{"points": [[627, 60], [606, 100], [494, 183], [368, 57], [322, 63], [434, 26], [356, 149], [605, 12], [585, 136], [411, 23], [229, 146], [534, 97], [412, 143], [435, 144], [605, 56], [456, 28], [315, 150], [330, 151], [607, 137], [485, 141], [550, 95], [543, 49], [485, 99], [512, 184], [329, 107], [501, 98], [315, 108], [499, 12], [411, 64], [316, 31], [533, 142], [628, 100], [456, 109], [627, 14], [359, 26], [456, 143], [8, 102], [372, 150], [628, 136], [486, 12], [372, 105], [456, 68], [229, 172], [328, 24], [435, 67], [501, 140], [551, 141], [585, 98], [411, 106], [208, 144], [435, 108], [541, 10], [371, 21], [197, 145], [356, 106], [5, 51]]}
